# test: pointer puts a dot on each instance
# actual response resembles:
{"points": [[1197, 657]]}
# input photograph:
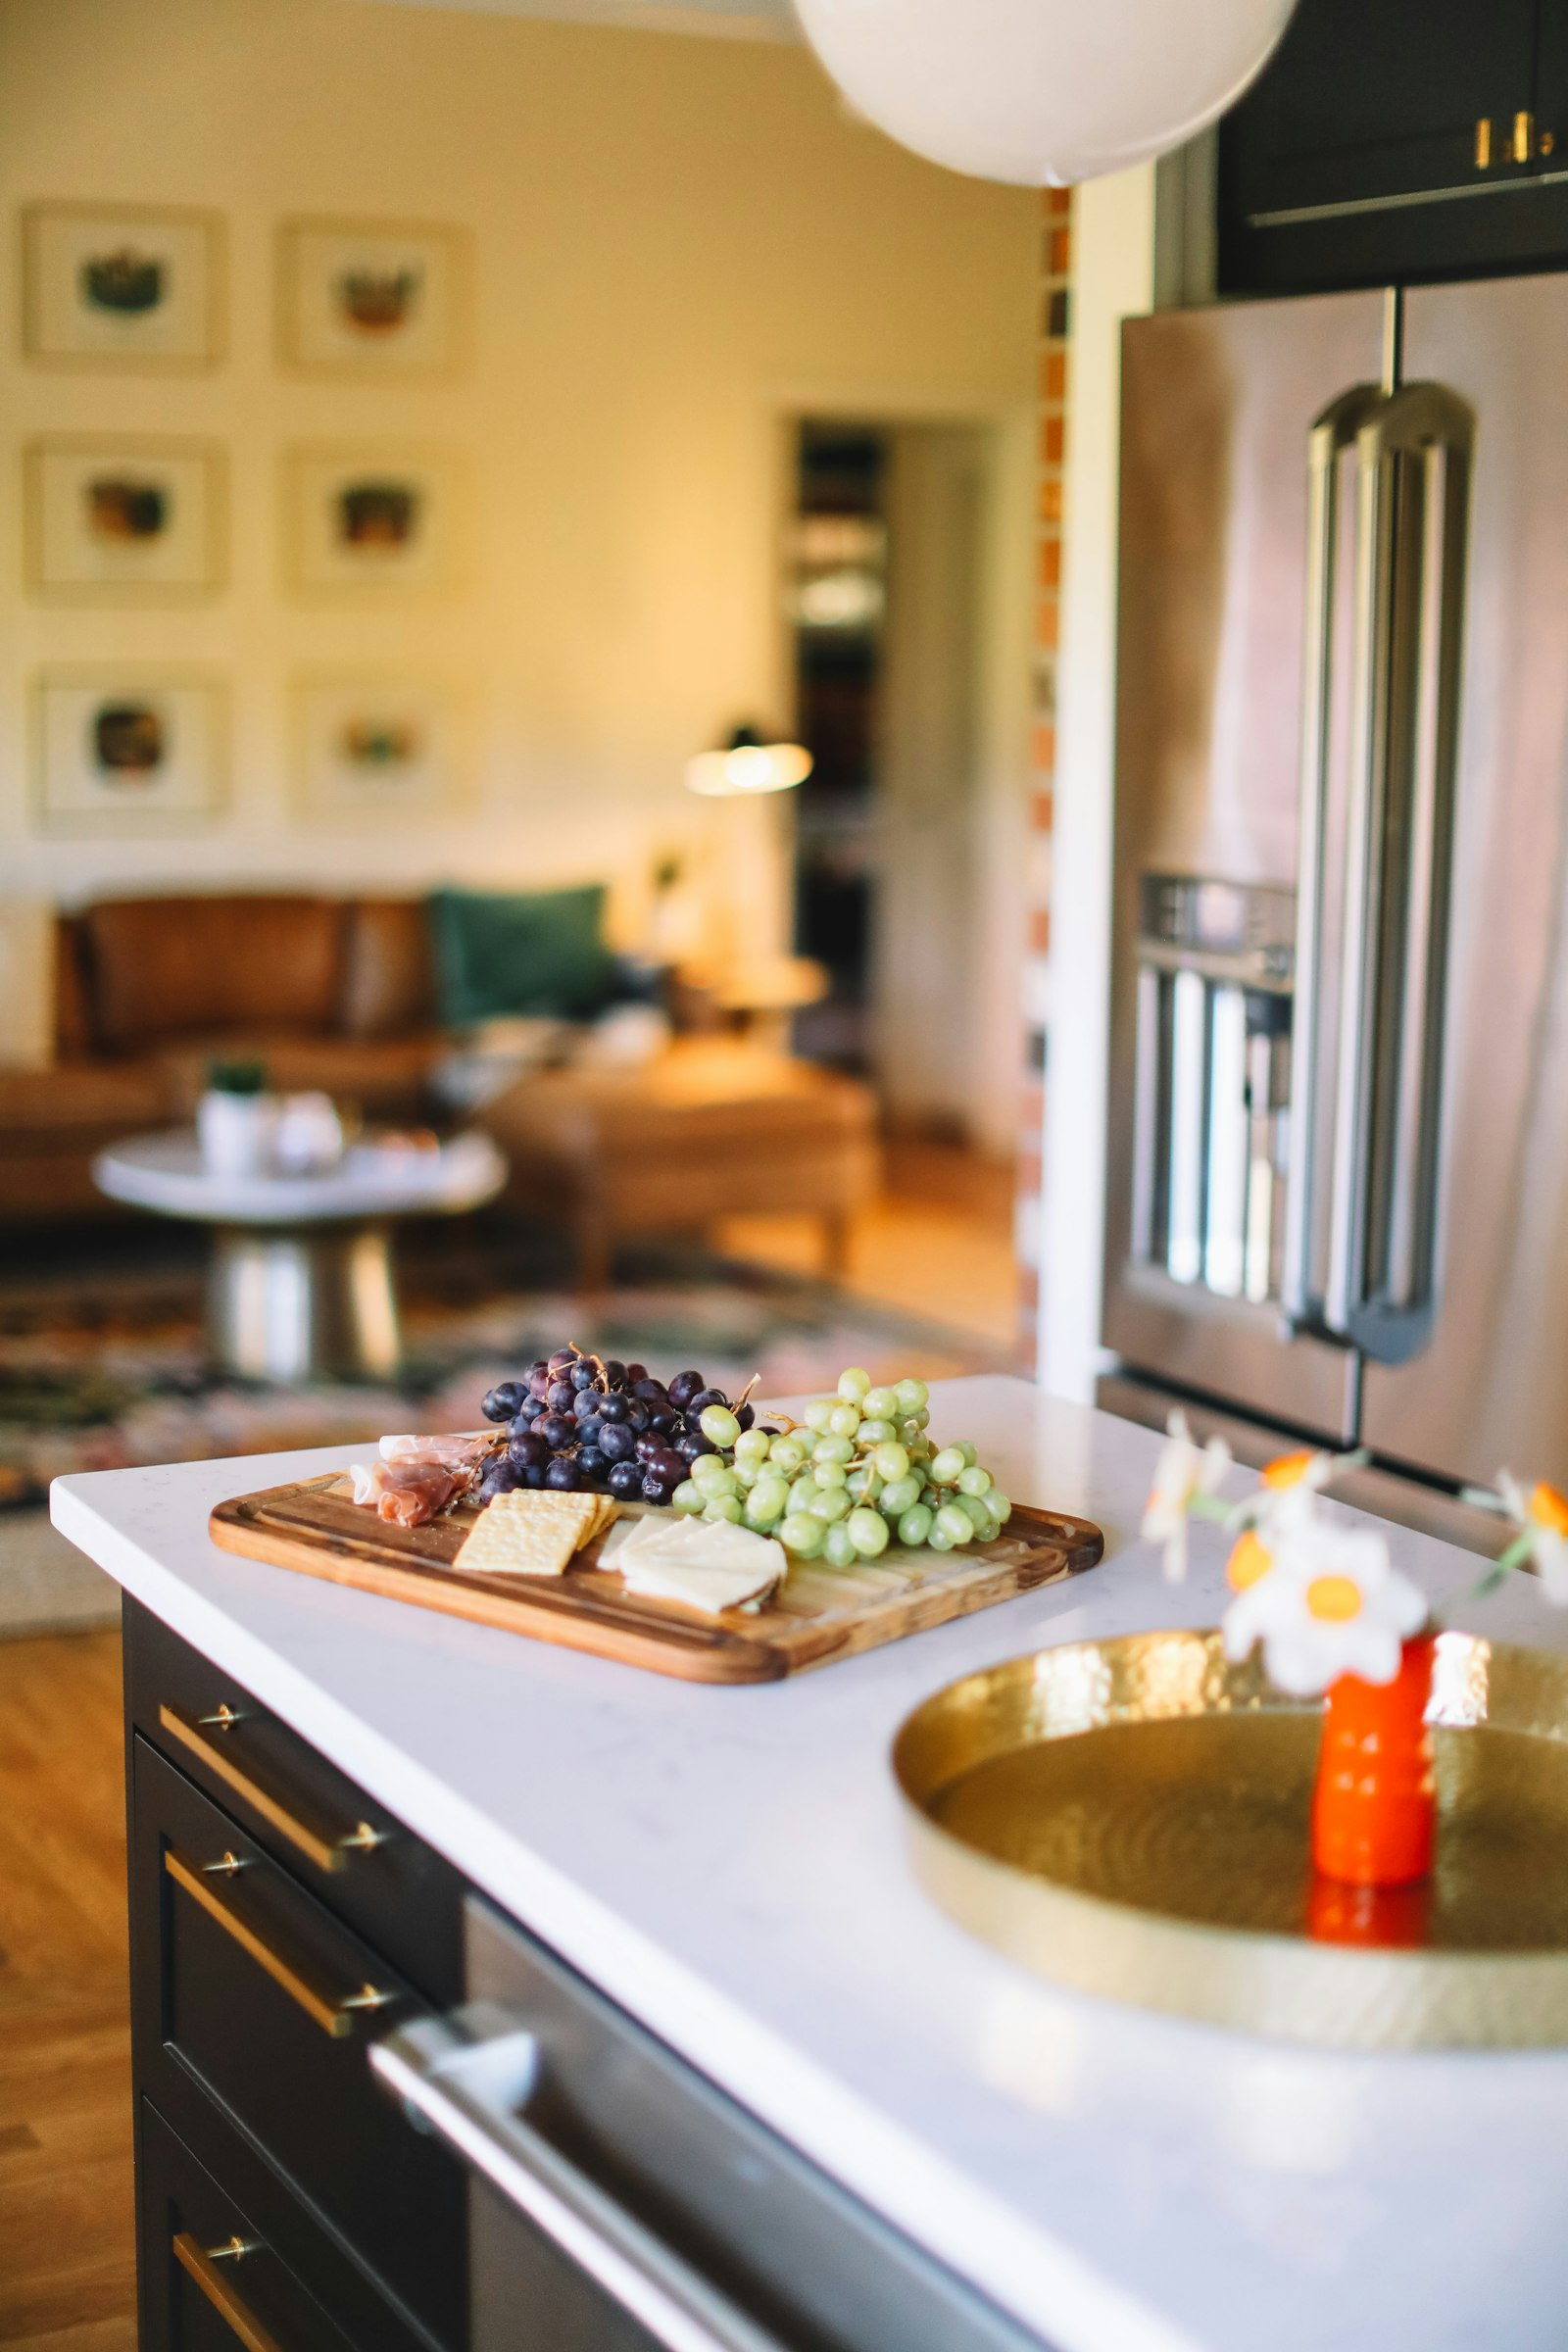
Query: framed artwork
{"points": [[127, 750], [107, 285], [125, 521], [375, 744], [362, 523], [369, 298]]}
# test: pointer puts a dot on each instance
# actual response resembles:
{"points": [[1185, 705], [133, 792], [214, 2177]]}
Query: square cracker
{"points": [[530, 1533]]}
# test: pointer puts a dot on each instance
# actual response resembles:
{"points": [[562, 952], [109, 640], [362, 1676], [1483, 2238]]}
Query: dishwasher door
{"points": [[620, 2202]]}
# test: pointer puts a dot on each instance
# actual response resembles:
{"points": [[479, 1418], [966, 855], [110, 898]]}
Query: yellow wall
{"points": [[676, 239]]}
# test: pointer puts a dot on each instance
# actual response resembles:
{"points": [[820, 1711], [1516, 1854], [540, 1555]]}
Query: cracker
{"points": [[530, 1533]]}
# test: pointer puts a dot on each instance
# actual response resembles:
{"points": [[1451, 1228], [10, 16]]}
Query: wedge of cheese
{"points": [[704, 1564]]}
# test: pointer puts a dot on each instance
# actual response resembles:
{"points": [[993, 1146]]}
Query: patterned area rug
{"points": [[110, 1374]]}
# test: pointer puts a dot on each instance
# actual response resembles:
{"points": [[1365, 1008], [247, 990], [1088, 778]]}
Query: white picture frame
{"points": [[370, 299], [123, 286], [121, 749], [125, 518], [385, 745], [372, 524]]}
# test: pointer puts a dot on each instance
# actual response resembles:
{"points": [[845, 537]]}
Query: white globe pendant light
{"points": [[1041, 92]]}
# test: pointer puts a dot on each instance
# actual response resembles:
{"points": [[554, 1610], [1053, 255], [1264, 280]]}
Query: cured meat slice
{"points": [[408, 1493], [463, 1449]]}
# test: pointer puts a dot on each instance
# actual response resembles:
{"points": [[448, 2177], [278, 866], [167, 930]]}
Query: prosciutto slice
{"points": [[466, 1450], [410, 1492]]}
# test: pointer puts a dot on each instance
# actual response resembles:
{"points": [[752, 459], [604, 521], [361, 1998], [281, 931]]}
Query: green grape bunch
{"points": [[857, 1474]]}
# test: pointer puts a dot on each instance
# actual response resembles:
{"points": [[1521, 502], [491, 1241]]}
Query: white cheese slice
{"points": [[708, 1565]]}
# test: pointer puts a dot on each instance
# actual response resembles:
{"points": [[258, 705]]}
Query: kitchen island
{"points": [[727, 1867]]}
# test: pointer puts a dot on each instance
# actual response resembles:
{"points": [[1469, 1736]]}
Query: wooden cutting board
{"points": [[819, 1614]]}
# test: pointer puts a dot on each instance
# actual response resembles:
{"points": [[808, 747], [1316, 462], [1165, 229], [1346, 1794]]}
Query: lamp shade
{"points": [[748, 765], [1041, 92]]}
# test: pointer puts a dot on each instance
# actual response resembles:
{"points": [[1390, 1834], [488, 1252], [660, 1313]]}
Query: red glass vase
{"points": [[1374, 1808]]}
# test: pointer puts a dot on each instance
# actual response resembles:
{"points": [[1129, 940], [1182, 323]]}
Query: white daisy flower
{"points": [[1288, 1489], [1542, 1518], [1332, 1604], [1184, 1471]]}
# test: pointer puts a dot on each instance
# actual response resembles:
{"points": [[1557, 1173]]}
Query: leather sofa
{"points": [[333, 993], [339, 994]]}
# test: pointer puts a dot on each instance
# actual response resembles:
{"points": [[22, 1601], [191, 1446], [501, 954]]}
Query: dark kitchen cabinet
{"points": [[1399, 139], [280, 1921]]}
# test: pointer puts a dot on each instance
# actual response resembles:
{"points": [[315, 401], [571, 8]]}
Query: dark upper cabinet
{"points": [[1394, 139]]}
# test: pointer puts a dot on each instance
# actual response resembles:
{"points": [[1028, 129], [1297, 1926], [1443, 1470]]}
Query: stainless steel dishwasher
{"points": [[618, 2202]]}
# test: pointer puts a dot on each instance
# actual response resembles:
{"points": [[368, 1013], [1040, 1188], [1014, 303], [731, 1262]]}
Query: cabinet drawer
{"points": [[217, 2271], [252, 1994], [361, 1862]]}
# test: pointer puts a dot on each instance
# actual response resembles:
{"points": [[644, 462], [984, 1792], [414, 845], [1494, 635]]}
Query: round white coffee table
{"points": [[300, 1282]]}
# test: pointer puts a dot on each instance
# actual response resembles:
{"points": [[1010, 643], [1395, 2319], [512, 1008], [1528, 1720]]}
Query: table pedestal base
{"points": [[302, 1301]]}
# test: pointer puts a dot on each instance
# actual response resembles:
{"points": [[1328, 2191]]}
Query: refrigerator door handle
{"points": [[1335, 431], [1399, 831]]}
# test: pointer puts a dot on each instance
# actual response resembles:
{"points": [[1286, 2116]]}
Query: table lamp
{"points": [[752, 974], [747, 763]]}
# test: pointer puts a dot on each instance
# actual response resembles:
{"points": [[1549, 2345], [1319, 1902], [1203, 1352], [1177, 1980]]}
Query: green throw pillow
{"points": [[526, 953]]}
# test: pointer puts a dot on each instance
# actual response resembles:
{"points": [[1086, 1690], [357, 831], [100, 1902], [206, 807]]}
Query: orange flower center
{"points": [[1334, 1599], [1249, 1561], [1289, 1469], [1549, 1508]]}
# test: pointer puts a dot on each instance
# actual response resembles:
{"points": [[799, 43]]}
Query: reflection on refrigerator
{"points": [[1212, 1083]]}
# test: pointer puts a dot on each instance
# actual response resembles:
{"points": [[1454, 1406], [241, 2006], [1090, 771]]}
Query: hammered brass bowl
{"points": [[1130, 1818]]}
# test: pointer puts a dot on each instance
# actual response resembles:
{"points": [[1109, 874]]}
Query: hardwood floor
{"points": [[67, 2253], [939, 1240]]}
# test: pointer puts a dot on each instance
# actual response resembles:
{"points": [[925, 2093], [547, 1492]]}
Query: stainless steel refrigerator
{"points": [[1338, 1153]]}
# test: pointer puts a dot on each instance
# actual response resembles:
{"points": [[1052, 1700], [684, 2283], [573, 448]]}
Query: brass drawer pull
{"points": [[326, 1848], [199, 2264], [334, 2015]]}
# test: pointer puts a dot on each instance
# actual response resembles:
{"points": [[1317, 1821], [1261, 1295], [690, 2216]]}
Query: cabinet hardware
{"points": [[1483, 144], [328, 1848], [225, 1867], [333, 2013], [1545, 143], [1524, 136], [221, 2295], [234, 2249], [224, 1717], [362, 1838]]}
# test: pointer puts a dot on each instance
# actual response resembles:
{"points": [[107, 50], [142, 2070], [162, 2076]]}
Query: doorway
{"points": [[885, 604]]}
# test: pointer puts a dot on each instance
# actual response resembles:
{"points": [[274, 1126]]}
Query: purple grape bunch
{"points": [[578, 1422]]}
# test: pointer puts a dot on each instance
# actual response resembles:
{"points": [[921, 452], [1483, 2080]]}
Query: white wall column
{"points": [[1113, 277]]}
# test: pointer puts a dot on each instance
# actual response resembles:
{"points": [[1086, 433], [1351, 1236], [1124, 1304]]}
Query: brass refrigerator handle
{"points": [[333, 2013], [1333, 433], [329, 1849], [200, 2265]]}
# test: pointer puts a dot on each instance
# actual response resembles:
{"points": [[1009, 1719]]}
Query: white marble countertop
{"points": [[729, 1865]]}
